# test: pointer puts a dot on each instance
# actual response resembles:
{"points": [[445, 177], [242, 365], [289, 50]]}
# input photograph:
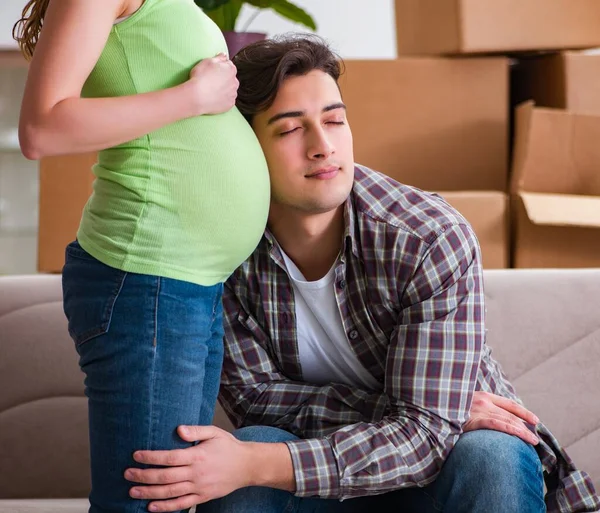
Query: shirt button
{"points": [[342, 284], [353, 335]]}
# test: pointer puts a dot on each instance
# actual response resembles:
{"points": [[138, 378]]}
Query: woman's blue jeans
{"points": [[151, 349]]}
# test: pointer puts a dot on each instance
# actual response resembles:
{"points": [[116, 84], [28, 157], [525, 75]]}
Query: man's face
{"points": [[308, 145]]}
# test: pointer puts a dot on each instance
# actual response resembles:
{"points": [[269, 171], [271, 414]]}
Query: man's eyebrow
{"points": [[300, 113], [333, 106], [282, 115]]}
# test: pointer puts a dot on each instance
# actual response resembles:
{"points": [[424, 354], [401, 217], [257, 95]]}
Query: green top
{"points": [[188, 201]]}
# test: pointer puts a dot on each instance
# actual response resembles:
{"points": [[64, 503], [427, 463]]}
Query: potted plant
{"points": [[225, 14]]}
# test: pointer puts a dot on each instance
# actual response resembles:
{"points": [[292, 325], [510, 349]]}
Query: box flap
{"points": [[523, 114], [556, 152], [562, 209]]}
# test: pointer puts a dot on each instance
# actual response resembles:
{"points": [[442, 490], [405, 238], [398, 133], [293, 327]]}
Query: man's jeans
{"points": [[151, 349], [486, 472]]}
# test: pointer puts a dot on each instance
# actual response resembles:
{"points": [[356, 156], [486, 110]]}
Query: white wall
{"points": [[355, 28], [10, 11]]}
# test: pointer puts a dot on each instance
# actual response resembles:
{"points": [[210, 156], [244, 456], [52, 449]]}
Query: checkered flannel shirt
{"points": [[408, 284]]}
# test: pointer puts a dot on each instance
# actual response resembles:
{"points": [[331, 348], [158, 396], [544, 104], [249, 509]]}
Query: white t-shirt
{"points": [[324, 349]]}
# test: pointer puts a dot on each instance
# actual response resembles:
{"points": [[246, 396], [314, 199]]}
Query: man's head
{"points": [[289, 94]]}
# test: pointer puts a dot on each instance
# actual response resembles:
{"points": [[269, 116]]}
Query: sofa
{"points": [[543, 326]]}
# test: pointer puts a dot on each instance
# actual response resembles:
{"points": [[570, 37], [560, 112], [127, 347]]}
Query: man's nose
{"points": [[321, 147]]}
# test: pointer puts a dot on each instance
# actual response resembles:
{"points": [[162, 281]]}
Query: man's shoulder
{"points": [[384, 200]]}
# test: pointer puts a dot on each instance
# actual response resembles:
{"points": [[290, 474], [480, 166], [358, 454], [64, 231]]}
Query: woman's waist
{"points": [[180, 191], [159, 229]]}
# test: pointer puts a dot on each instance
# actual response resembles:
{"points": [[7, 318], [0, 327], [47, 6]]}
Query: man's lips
{"points": [[324, 173]]}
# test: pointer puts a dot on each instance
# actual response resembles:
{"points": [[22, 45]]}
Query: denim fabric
{"points": [[151, 349], [486, 472]]}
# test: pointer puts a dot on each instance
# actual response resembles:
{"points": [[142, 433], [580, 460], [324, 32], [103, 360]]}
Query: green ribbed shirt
{"points": [[188, 201]]}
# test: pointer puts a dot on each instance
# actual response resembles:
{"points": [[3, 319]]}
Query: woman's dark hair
{"points": [[263, 66]]}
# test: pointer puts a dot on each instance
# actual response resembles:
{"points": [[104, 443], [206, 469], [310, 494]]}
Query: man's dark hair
{"points": [[263, 66]]}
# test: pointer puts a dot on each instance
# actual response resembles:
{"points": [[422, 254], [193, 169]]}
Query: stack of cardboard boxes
{"points": [[444, 117], [450, 115], [440, 124], [555, 182]]}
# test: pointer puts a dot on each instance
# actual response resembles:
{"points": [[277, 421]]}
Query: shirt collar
{"points": [[350, 226]]}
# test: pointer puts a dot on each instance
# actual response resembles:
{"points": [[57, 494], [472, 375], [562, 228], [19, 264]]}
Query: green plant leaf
{"points": [[209, 5], [287, 10], [261, 4], [226, 12], [232, 11], [217, 16], [226, 15]]}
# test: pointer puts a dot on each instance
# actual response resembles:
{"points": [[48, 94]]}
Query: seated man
{"points": [[355, 339]]}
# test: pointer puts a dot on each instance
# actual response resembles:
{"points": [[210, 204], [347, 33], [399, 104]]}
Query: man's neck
{"points": [[313, 242]]}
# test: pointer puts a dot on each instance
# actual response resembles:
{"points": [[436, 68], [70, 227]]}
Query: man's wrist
{"points": [[269, 465]]}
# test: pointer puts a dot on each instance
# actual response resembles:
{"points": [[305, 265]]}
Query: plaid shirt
{"points": [[408, 284]]}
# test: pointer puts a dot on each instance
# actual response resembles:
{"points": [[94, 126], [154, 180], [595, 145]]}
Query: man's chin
{"points": [[323, 206], [320, 200]]}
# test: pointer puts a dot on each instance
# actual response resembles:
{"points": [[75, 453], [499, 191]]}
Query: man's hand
{"points": [[489, 411], [216, 467], [221, 464]]}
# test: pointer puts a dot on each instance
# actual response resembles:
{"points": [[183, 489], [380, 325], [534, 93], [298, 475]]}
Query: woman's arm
{"points": [[56, 120]]}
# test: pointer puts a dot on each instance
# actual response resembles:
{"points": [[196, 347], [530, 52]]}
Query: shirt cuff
{"points": [[315, 468]]}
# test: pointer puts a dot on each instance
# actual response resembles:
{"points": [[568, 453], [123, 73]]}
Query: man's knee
{"points": [[265, 434], [491, 454], [492, 472]]}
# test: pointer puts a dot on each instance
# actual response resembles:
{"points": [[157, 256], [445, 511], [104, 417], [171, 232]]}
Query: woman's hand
{"points": [[215, 85], [217, 466]]}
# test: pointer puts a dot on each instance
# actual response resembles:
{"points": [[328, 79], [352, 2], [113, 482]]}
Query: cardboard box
{"points": [[568, 80], [65, 186], [448, 27], [12, 59], [435, 123], [488, 214], [556, 187]]}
